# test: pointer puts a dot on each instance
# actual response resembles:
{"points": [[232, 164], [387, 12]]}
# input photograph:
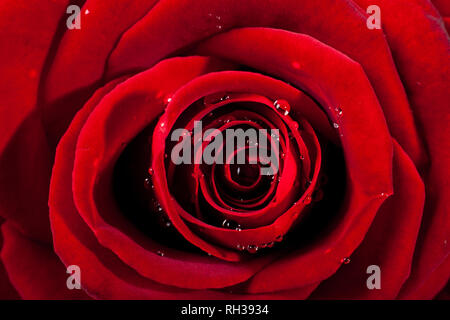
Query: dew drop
{"points": [[283, 105], [240, 247], [160, 253], [307, 183], [338, 111], [87, 11], [226, 223], [214, 98], [150, 171], [345, 260], [307, 200], [168, 224], [383, 195], [335, 125], [252, 248], [148, 183]]}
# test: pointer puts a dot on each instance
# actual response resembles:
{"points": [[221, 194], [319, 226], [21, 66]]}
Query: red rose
{"points": [[362, 161]]}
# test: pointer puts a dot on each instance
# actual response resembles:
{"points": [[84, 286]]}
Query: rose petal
{"points": [[25, 39], [389, 243], [81, 54], [36, 272], [415, 33]]}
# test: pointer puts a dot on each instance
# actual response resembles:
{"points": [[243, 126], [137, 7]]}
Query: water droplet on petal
{"points": [[252, 248], [148, 183], [160, 253], [307, 200], [307, 183], [87, 11], [345, 260], [150, 172], [335, 125], [283, 105], [168, 224], [226, 223], [338, 111], [215, 98], [240, 247]]}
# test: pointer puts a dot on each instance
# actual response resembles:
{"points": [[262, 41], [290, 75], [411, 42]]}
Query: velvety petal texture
{"points": [[350, 168]]}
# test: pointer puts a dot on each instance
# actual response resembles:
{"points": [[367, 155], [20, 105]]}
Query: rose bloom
{"points": [[87, 178]]}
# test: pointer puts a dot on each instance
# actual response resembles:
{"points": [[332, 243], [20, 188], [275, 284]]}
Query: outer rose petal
{"points": [[7, 290], [443, 7], [445, 293], [25, 39], [389, 243], [81, 54], [34, 270], [416, 34]]}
